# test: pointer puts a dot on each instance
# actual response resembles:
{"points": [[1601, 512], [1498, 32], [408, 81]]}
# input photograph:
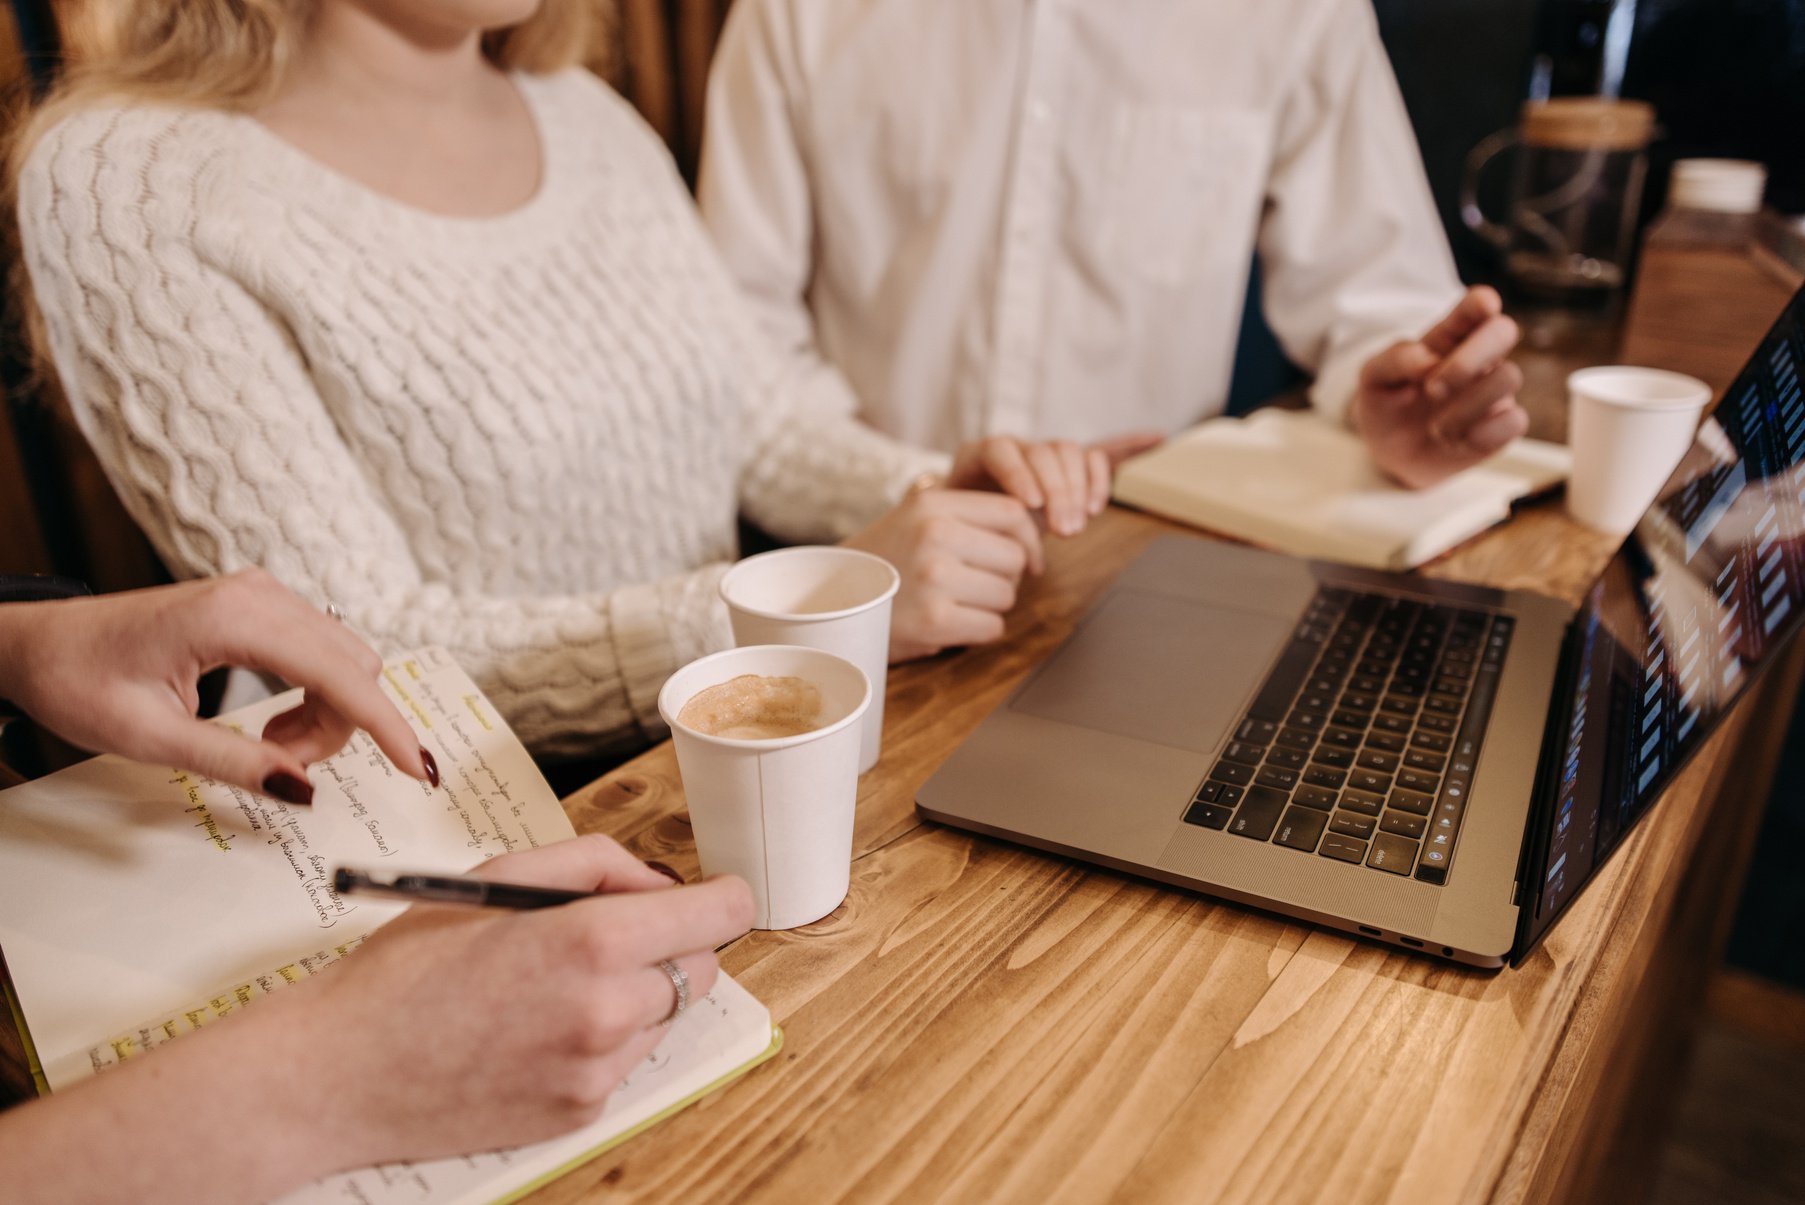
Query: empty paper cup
{"points": [[777, 812], [837, 599], [1628, 428]]}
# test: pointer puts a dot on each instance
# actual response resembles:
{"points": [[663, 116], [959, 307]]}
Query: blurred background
{"points": [[1723, 78]]}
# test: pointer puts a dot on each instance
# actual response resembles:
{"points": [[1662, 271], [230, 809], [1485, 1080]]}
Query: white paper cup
{"points": [[779, 812], [1628, 428], [836, 599]]}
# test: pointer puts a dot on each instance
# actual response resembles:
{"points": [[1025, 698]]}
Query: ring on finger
{"points": [[680, 981]]}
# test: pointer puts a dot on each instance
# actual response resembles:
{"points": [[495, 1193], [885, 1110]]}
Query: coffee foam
{"points": [[753, 707]]}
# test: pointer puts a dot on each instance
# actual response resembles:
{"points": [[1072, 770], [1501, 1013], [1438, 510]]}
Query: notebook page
{"points": [[128, 891]]}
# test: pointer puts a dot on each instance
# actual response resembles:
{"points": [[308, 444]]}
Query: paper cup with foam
{"points": [[776, 812], [837, 599], [1628, 428]]}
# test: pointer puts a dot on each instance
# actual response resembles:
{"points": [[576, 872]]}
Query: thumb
{"points": [[227, 755], [1399, 365], [1121, 447]]}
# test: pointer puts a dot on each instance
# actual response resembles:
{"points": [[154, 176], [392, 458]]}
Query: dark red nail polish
{"points": [[432, 767], [666, 871], [289, 789]]}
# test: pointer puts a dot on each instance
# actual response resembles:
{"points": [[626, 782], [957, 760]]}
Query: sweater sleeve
{"points": [[199, 404]]}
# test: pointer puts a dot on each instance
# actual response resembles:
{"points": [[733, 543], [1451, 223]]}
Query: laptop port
{"points": [[1370, 931], [1411, 941]]}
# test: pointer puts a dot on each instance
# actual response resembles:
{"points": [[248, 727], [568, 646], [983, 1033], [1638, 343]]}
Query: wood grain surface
{"points": [[980, 1022]]}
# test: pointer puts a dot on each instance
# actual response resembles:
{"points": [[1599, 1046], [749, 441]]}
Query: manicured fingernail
{"points": [[666, 871], [289, 789], [432, 767]]}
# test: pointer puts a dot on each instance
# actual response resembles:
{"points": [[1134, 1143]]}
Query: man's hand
{"points": [[1447, 401], [1066, 483]]}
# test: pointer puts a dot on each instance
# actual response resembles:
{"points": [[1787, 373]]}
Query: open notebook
{"points": [[1293, 481], [139, 903]]}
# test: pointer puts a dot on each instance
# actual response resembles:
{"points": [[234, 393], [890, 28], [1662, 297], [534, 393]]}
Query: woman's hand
{"points": [[461, 1029], [1065, 482], [452, 1030], [961, 554], [118, 674]]}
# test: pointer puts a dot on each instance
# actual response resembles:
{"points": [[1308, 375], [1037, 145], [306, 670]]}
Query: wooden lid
{"points": [[1583, 123]]}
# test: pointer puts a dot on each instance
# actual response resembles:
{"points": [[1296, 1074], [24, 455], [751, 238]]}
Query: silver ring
{"points": [[680, 981], [334, 611]]}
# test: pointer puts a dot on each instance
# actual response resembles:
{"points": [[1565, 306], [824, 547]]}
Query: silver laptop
{"points": [[1429, 764]]}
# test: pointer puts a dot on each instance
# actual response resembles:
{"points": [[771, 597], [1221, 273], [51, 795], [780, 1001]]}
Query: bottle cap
{"points": [[1719, 185]]}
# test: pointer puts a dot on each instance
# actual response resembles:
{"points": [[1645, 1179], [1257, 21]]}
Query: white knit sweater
{"points": [[525, 437]]}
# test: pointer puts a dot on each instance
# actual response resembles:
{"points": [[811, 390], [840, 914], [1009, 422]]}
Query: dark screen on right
{"points": [[1710, 584]]}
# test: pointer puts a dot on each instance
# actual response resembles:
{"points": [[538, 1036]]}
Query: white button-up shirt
{"points": [[1036, 217]]}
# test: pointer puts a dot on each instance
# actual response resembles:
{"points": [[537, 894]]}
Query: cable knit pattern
{"points": [[525, 437]]}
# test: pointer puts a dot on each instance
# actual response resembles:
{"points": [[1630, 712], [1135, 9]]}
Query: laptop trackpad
{"points": [[1168, 670]]}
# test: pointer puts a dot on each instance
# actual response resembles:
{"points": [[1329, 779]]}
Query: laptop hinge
{"points": [[1546, 791]]}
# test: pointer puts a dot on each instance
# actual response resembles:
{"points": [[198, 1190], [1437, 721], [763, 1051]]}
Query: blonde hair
{"points": [[225, 54]]}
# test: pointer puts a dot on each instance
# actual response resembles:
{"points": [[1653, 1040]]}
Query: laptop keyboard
{"points": [[1362, 742]]}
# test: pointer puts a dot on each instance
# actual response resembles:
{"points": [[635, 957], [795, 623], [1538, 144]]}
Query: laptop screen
{"points": [[1709, 585]]}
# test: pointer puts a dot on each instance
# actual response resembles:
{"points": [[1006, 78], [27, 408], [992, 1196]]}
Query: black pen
{"points": [[450, 889]]}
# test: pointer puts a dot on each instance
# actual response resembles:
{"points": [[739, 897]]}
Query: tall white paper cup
{"points": [[778, 813], [836, 599], [1628, 428]]}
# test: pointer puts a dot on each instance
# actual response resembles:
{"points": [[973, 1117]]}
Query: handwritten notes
{"points": [[130, 892], [127, 889]]}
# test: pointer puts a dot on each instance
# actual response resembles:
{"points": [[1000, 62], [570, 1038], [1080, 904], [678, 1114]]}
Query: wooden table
{"points": [[980, 1022]]}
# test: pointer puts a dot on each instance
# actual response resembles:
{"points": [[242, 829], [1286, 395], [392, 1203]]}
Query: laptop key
{"points": [[1308, 720], [1296, 738], [1410, 801], [1257, 732], [1369, 780], [1323, 776], [1422, 759], [1434, 723], [1259, 815], [1231, 795], [1434, 868], [1386, 722], [1291, 759], [1364, 802], [1246, 754], [1359, 702], [1334, 755], [1391, 742], [1378, 759], [1352, 824], [1209, 815], [1345, 738], [1417, 780], [1209, 792], [1301, 829], [1348, 719], [1403, 824], [1278, 777], [1435, 742], [1392, 853], [1344, 849], [1314, 797], [1281, 686], [1228, 771]]}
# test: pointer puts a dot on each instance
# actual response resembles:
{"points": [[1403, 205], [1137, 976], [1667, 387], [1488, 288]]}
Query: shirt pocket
{"points": [[1178, 190]]}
